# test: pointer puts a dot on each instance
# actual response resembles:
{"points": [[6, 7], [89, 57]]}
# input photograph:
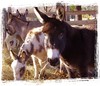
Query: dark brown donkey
{"points": [[77, 46]]}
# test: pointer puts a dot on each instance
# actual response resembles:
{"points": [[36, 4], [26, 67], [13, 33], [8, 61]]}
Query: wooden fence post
{"points": [[78, 8], [4, 21], [68, 16]]}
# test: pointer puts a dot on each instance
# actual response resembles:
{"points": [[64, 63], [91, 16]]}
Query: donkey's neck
{"points": [[20, 22], [21, 27]]}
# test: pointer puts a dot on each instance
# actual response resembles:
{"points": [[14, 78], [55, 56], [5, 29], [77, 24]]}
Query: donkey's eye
{"points": [[55, 28], [60, 36]]}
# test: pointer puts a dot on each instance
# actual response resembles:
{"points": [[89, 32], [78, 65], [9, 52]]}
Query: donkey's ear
{"points": [[17, 13], [13, 55], [26, 12], [9, 15], [41, 16]]}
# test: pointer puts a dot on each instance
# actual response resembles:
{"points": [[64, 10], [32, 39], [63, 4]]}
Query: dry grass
{"points": [[7, 73], [49, 74]]}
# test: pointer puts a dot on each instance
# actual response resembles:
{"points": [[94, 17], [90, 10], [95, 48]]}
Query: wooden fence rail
{"points": [[92, 12], [81, 22], [92, 21]]}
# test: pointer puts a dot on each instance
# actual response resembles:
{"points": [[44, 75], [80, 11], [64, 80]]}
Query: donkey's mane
{"points": [[19, 20]]}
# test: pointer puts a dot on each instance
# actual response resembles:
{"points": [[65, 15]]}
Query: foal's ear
{"points": [[41, 16], [13, 55]]}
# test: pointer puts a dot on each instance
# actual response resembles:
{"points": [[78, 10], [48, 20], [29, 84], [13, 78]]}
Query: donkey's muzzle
{"points": [[54, 62]]}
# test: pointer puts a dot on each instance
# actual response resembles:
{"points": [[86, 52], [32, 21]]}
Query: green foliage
{"points": [[72, 7]]}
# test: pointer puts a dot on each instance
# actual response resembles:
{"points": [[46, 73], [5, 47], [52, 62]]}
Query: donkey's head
{"points": [[10, 24], [13, 20], [55, 32], [18, 67], [19, 61]]}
